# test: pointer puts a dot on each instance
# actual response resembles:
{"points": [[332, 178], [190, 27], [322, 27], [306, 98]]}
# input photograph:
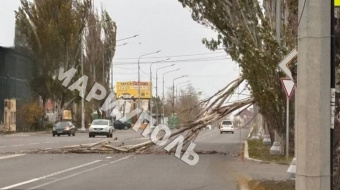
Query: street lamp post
{"points": [[157, 87], [179, 84], [163, 89], [139, 73], [151, 83], [173, 93]]}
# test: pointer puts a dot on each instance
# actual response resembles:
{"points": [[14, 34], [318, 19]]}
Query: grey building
{"points": [[16, 72]]}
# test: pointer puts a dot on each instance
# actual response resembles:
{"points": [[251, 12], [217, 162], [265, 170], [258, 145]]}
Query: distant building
{"points": [[16, 72], [246, 116]]}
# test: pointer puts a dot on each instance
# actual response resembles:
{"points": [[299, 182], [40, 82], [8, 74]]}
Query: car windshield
{"points": [[99, 122], [62, 124], [226, 123]]}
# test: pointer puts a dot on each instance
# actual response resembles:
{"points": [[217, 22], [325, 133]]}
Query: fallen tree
{"points": [[213, 109]]}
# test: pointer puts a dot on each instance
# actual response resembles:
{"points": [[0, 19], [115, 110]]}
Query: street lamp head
{"points": [[168, 59], [172, 65], [158, 51]]}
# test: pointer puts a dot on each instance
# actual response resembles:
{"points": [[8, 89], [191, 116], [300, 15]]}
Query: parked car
{"points": [[121, 125], [64, 128], [101, 127], [226, 126]]}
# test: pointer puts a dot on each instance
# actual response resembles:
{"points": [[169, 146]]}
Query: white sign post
{"points": [[289, 86]]}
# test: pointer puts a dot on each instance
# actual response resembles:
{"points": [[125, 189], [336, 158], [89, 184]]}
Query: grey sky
{"points": [[161, 25]]}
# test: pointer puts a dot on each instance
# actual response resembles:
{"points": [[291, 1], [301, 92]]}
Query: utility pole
{"points": [[314, 96], [82, 74], [332, 86], [164, 91], [157, 103], [138, 63], [173, 93], [151, 84], [276, 148]]}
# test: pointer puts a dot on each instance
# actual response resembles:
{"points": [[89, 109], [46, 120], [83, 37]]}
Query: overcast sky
{"points": [[161, 25]]}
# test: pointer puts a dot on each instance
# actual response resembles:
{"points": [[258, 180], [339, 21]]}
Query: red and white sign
{"points": [[288, 85]]}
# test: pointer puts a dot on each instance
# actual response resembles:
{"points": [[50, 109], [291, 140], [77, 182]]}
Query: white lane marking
{"points": [[11, 156], [120, 159], [108, 157], [75, 174], [18, 145], [33, 143], [50, 175]]}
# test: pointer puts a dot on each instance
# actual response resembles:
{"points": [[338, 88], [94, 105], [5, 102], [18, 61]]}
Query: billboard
{"points": [[129, 90], [67, 115]]}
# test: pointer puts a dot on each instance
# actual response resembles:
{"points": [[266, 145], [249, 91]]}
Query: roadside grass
{"points": [[262, 152], [272, 185], [251, 184]]}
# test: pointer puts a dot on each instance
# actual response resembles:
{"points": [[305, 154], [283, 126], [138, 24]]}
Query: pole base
{"points": [[292, 169], [266, 140], [276, 148], [255, 137], [82, 130]]}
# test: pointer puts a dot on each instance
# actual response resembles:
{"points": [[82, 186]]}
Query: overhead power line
{"points": [[170, 56], [216, 58]]}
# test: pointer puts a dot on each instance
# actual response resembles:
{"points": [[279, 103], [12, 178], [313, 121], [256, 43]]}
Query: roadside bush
{"points": [[29, 115]]}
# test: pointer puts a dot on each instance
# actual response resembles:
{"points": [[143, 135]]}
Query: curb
{"points": [[246, 155], [251, 130]]}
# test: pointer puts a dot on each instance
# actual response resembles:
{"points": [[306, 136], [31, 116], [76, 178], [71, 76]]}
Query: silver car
{"points": [[101, 127]]}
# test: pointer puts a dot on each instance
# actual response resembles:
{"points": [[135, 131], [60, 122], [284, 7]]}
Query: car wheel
{"points": [[74, 134], [58, 135], [108, 135], [232, 132], [53, 135], [69, 134], [90, 135], [221, 132]]}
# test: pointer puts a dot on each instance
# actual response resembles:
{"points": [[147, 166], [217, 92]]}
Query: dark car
{"points": [[64, 128], [121, 125]]}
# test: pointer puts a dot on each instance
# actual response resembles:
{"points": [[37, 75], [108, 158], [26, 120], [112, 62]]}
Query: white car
{"points": [[101, 127], [226, 126]]}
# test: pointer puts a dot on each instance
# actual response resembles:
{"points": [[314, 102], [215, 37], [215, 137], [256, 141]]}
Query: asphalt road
{"points": [[127, 171], [15, 143]]}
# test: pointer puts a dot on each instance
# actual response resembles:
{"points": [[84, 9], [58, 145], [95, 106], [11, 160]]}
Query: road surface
{"points": [[127, 171]]}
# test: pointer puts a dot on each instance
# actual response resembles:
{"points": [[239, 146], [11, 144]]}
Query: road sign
{"points": [[288, 85], [286, 61], [337, 3]]}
